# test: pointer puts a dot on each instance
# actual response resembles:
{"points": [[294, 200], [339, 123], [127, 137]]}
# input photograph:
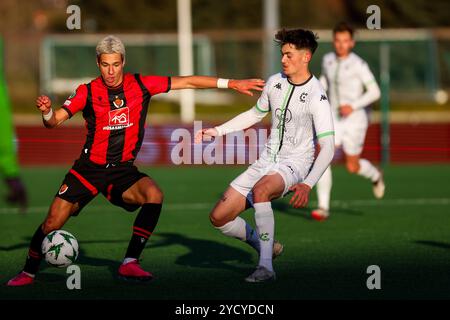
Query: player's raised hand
{"points": [[43, 103], [206, 134], [301, 195], [245, 86]]}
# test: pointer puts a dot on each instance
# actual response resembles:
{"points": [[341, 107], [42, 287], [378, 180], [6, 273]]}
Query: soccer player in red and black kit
{"points": [[114, 106]]}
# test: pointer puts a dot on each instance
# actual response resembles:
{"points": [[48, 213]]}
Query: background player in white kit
{"points": [[351, 87], [300, 114]]}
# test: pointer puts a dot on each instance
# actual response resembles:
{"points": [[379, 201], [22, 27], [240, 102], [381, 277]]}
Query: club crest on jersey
{"points": [[63, 189], [303, 97], [118, 103], [283, 117], [119, 119]]}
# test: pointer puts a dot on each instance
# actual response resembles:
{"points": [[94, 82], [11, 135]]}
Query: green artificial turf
{"points": [[407, 235]]}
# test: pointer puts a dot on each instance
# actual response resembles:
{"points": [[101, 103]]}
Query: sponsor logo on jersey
{"points": [[63, 189], [119, 119], [291, 139], [278, 86], [323, 97]]}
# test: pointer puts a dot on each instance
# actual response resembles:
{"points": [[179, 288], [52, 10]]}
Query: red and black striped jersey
{"points": [[115, 118]]}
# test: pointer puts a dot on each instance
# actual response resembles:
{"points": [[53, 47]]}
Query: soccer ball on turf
{"points": [[60, 248]]}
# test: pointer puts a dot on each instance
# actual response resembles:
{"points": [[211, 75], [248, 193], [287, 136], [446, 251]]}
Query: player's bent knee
{"points": [[218, 220], [214, 219], [153, 195], [261, 193]]}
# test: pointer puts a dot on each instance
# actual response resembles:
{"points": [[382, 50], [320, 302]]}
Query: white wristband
{"points": [[222, 83], [48, 116]]}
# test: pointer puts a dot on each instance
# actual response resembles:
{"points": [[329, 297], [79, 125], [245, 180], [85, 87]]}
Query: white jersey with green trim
{"points": [[300, 114], [348, 81]]}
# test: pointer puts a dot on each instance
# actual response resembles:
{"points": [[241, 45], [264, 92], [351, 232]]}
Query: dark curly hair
{"points": [[302, 39]]}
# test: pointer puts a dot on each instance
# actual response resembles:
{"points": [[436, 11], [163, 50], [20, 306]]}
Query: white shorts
{"points": [[289, 171], [350, 132]]}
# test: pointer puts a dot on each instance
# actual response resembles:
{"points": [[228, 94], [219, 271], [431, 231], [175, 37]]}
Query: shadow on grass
{"points": [[51, 277], [83, 259], [206, 253], [26, 242], [435, 244], [285, 208], [202, 253]]}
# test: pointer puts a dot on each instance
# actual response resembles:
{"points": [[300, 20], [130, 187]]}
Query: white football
{"points": [[60, 248]]}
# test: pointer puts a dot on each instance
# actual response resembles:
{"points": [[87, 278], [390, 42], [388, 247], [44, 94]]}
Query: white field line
{"points": [[209, 205]]}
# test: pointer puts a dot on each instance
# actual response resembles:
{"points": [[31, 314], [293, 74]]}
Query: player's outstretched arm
{"points": [[240, 122], [205, 134], [50, 118], [244, 86]]}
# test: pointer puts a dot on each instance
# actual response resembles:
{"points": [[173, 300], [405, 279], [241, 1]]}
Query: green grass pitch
{"points": [[407, 235]]}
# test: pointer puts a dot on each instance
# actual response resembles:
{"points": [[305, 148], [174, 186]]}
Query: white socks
{"points": [[324, 189], [367, 170], [265, 224], [240, 229], [234, 228], [262, 240]]}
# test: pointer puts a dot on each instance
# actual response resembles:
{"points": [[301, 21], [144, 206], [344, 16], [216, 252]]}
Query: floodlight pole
{"points": [[185, 58], [271, 13]]}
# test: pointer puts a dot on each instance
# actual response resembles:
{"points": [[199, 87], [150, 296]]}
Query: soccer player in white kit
{"points": [[301, 114], [351, 87]]}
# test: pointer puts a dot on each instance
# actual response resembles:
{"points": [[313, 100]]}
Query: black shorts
{"points": [[86, 179]]}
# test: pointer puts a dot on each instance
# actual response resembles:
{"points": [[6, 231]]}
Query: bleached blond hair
{"points": [[110, 44]]}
